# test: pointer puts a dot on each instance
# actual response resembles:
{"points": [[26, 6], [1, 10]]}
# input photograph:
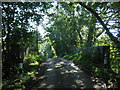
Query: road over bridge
{"points": [[61, 73]]}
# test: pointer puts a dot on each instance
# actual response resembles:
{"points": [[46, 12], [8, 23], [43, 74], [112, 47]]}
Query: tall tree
{"points": [[112, 37], [16, 18]]}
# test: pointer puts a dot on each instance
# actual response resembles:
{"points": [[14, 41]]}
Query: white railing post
{"points": [[21, 68], [105, 63], [21, 62]]}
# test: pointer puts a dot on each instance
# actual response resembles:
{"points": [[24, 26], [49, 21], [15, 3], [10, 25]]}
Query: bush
{"points": [[32, 60]]}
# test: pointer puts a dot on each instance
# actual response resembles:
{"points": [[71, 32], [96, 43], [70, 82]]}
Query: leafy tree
{"points": [[110, 6], [72, 20], [17, 31]]}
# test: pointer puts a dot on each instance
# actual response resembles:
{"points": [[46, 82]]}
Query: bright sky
{"points": [[41, 30]]}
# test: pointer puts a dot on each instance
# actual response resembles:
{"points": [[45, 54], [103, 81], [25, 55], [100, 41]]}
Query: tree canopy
{"points": [[69, 27]]}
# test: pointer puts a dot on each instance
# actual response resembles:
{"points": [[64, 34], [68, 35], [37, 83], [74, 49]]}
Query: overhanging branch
{"points": [[114, 39]]}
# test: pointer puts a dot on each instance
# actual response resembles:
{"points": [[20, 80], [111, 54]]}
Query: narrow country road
{"points": [[61, 73]]}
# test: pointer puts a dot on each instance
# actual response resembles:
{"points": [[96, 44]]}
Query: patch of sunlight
{"points": [[73, 65], [49, 69], [72, 71], [44, 64], [76, 68], [59, 64], [62, 62], [66, 71], [36, 72], [96, 86], [43, 77], [78, 81], [35, 63], [42, 85], [30, 73], [62, 73], [73, 86], [50, 63], [50, 86]]}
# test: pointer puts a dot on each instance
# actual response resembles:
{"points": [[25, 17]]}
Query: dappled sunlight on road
{"points": [[61, 73], [49, 69]]}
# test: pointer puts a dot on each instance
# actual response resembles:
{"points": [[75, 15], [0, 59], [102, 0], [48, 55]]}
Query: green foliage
{"points": [[30, 66], [48, 51], [114, 59], [32, 60], [70, 28], [90, 60], [16, 32], [55, 56], [66, 56]]}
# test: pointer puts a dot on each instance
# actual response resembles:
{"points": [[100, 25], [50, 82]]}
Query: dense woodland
{"points": [[73, 30]]}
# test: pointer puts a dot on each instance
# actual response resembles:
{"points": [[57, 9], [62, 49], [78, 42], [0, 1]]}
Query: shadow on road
{"points": [[61, 73]]}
